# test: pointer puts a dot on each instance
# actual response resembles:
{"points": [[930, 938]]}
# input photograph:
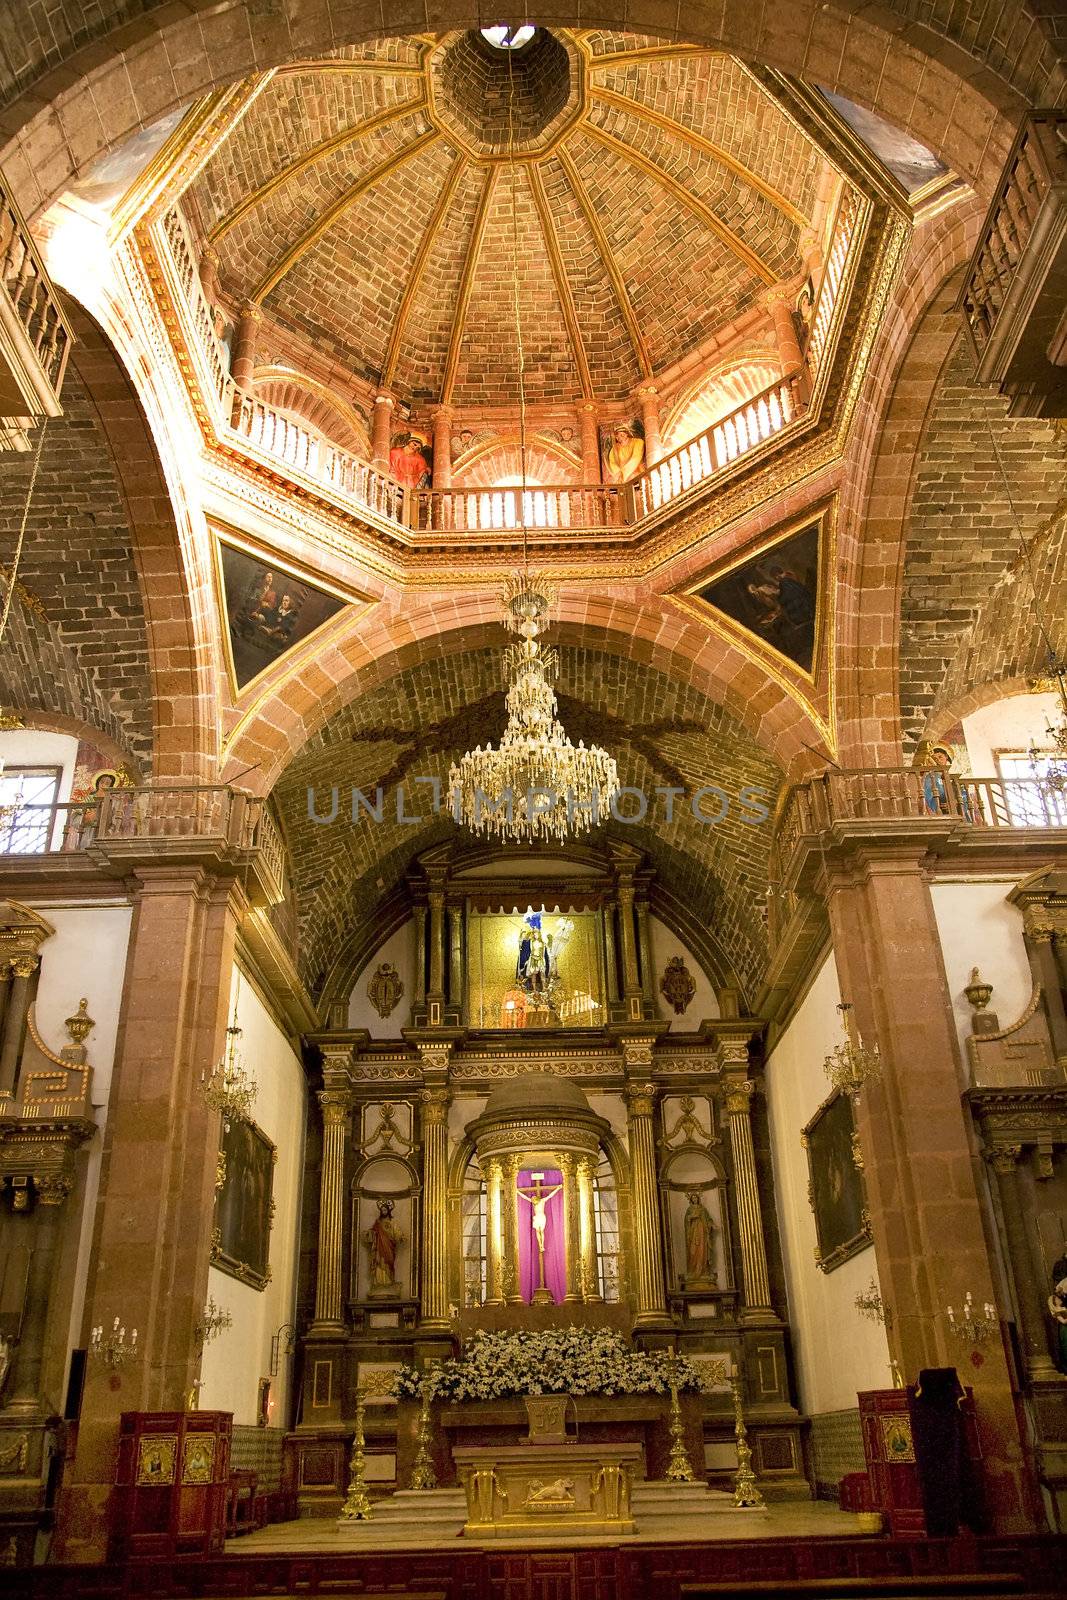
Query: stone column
{"points": [[494, 1183], [648, 400], [23, 967], [631, 982], [437, 949], [382, 430], [510, 1229], [647, 1234], [610, 959], [918, 1139], [154, 1217], [418, 915], [24, 1395], [336, 1104], [243, 359], [587, 1221], [442, 447], [1004, 1160], [644, 940], [589, 433], [209, 274], [739, 1091], [779, 303], [571, 1230], [455, 956], [434, 1285]]}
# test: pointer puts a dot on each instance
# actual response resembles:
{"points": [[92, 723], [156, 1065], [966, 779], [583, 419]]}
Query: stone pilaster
{"points": [[23, 970], [647, 1234], [246, 334], [434, 1282], [382, 430], [648, 400], [587, 1225], [494, 1239], [1004, 1160], [918, 1141], [442, 447], [336, 1104], [589, 434], [739, 1089]]}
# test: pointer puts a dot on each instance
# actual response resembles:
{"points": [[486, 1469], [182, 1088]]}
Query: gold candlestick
{"points": [[746, 1489], [423, 1475], [679, 1468], [357, 1502]]}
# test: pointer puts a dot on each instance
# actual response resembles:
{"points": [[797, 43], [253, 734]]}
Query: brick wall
{"points": [[981, 481], [90, 658]]}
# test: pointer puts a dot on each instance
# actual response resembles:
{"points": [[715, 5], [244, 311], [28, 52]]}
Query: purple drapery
{"points": [[555, 1253]]}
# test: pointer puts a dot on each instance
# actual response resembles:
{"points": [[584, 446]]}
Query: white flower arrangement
{"points": [[579, 1361]]}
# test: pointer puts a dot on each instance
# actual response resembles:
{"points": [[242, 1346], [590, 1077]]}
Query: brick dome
{"points": [[366, 203]]}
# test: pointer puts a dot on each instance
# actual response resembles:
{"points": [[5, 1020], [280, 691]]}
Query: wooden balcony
{"points": [[1014, 299], [35, 338]]}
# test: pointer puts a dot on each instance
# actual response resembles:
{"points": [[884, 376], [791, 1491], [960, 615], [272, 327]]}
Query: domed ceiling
{"points": [[368, 204]]}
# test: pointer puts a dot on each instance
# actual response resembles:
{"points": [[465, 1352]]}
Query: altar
{"points": [[547, 1489]]}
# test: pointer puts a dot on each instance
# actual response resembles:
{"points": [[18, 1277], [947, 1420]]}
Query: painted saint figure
{"points": [[533, 969], [699, 1244], [383, 1240], [624, 456]]}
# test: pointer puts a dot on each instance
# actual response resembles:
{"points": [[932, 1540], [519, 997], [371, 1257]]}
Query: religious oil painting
{"points": [[268, 610], [838, 1199], [775, 596], [535, 968], [244, 1203]]}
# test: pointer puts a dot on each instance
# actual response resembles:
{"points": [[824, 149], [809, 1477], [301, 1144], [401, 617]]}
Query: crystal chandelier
{"points": [[1054, 757], [851, 1064], [535, 784], [114, 1350], [973, 1327]]}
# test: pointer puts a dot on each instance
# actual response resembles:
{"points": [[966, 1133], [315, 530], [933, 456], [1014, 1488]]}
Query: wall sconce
{"points": [[116, 1350], [212, 1322], [970, 1327], [851, 1065], [282, 1343]]}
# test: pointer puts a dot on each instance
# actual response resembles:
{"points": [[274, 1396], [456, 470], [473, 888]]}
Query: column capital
{"points": [[1003, 1158], [739, 1092], [1040, 926], [383, 398], [52, 1188], [640, 1099], [25, 963], [776, 295], [646, 391], [251, 311], [336, 1104], [209, 253], [435, 1104]]}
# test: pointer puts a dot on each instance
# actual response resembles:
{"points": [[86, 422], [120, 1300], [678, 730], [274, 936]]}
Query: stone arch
{"points": [[180, 674], [393, 636], [956, 87], [913, 344], [313, 403]]}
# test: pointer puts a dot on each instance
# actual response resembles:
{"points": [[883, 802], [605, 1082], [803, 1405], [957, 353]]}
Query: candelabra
{"points": [[423, 1475], [357, 1502], [679, 1468], [115, 1350], [869, 1303], [228, 1088], [746, 1489], [213, 1321], [851, 1065], [971, 1327]]}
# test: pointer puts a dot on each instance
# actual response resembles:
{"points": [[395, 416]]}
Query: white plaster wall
{"points": [[399, 949], [1010, 724], [236, 1359], [30, 747], [85, 957], [838, 1352], [665, 945], [978, 928]]}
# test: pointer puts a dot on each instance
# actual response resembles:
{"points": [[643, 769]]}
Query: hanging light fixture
{"points": [[535, 784], [1053, 758], [228, 1088], [852, 1064]]}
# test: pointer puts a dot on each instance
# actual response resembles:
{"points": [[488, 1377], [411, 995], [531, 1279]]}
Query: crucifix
{"points": [[537, 1196]]}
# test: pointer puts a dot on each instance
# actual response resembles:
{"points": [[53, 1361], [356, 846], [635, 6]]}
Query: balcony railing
{"points": [[245, 420], [207, 814], [35, 337], [1036, 167]]}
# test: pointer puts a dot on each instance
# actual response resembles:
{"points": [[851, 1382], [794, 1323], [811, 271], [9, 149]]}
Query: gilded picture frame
{"points": [[835, 1183], [244, 1203], [156, 1458]]}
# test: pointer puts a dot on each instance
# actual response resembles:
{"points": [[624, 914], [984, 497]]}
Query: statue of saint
{"points": [[699, 1245], [533, 969], [1057, 1305], [624, 456], [383, 1240]]}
